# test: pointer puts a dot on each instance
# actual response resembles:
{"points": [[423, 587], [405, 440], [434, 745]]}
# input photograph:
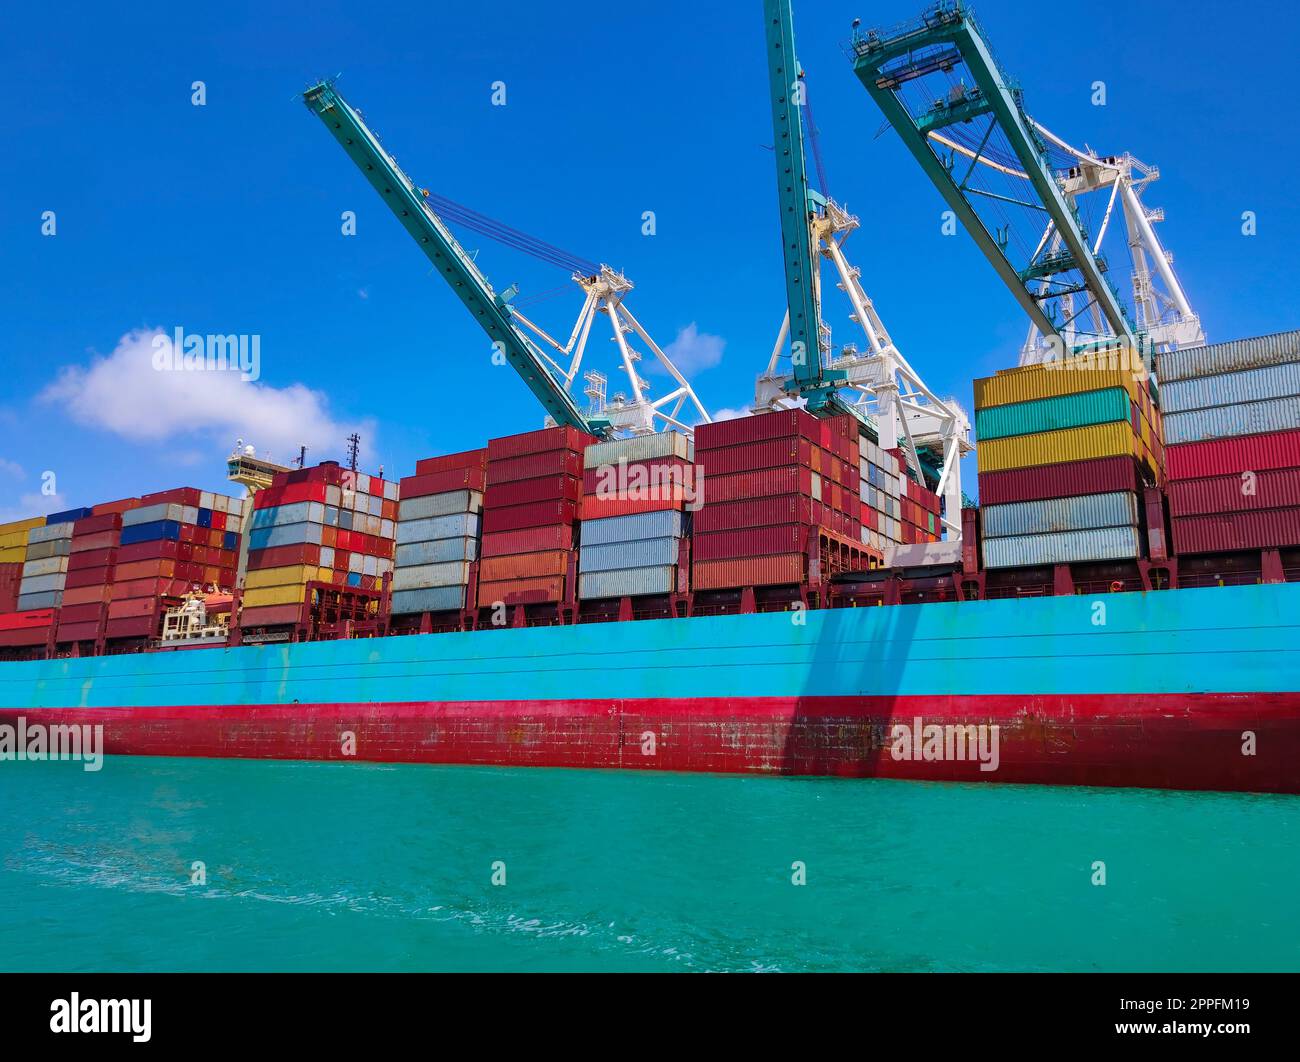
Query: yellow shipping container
{"points": [[15, 555], [1068, 377], [274, 595], [1056, 447], [22, 525], [13, 540], [293, 575]]}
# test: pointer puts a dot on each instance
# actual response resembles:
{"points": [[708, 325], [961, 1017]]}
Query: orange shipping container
{"points": [[148, 569], [521, 591], [525, 565], [134, 608], [87, 595], [778, 570]]}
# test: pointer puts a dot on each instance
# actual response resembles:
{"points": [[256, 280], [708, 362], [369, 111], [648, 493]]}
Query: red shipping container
{"points": [[774, 453], [598, 507], [531, 466], [289, 494], [765, 483], [95, 541], [95, 558], [26, 636], [269, 616], [219, 521], [93, 525], [177, 495], [523, 491], [751, 571], [161, 549], [90, 613], [1239, 492], [759, 512], [281, 557], [133, 608], [528, 540], [535, 514], [521, 591], [31, 619], [536, 442], [659, 472], [1218, 457], [76, 632], [443, 482], [1227, 532], [755, 542], [122, 506], [11, 576], [87, 595], [446, 462], [330, 472], [87, 577], [1102, 475], [525, 565], [132, 627], [780, 424]]}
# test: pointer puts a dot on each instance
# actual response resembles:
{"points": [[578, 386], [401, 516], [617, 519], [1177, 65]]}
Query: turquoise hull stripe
{"points": [[1216, 640]]}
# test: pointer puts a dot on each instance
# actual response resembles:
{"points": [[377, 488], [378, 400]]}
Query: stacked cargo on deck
{"points": [[895, 508], [171, 543], [1064, 450], [318, 528], [96, 540], [530, 517], [772, 485], [635, 513], [13, 554], [45, 570], [438, 533], [1232, 427]]}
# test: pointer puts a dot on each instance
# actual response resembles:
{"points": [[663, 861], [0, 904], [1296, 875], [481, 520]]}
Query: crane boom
{"points": [[407, 202]]}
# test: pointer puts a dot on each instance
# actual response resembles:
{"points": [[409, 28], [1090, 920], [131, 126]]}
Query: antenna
{"points": [[302, 457], [354, 450]]}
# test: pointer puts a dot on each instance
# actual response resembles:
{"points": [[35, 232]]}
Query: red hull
{"points": [[1171, 741]]}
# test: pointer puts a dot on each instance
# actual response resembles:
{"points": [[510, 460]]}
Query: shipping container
{"points": [[454, 479], [759, 512], [1233, 388], [750, 571], [529, 540], [1065, 377], [269, 615], [453, 525], [646, 553], [1232, 356], [1227, 532], [664, 444], [521, 592], [1235, 492], [289, 535], [598, 507], [446, 462], [743, 431], [1071, 444], [531, 466], [765, 483], [611, 479], [534, 514], [425, 576], [1079, 513], [751, 457], [49, 532], [1053, 414], [436, 505], [633, 528], [527, 491], [754, 542], [437, 551], [1218, 457], [627, 582], [524, 565], [1063, 547], [562, 438], [433, 599], [1247, 418]]}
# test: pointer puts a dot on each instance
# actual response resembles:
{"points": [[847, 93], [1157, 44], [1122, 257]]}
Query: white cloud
{"points": [[731, 414], [693, 351], [124, 394], [11, 468]]}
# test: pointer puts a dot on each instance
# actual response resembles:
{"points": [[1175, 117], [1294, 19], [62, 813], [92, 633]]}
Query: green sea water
{"points": [[363, 867]]}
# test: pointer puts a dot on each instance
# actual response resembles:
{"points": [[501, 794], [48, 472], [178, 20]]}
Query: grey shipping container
{"points": [[1063, 547], [1231, 388], [662, 446], [627, 582], [454, 501], [41, 550], [1225, 422], [647, 553], [41, 584], [457, 525], [434, 599], [1233, 356], [47, 566], [423, 576], [663, 524], [49, 533], [1079, 513], [50, 599], [438, 551]]}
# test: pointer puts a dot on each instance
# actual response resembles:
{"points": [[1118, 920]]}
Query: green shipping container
{"points": [[1053, 414]]}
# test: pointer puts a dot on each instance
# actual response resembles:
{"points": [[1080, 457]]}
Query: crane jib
{"points": [[490, 310]]}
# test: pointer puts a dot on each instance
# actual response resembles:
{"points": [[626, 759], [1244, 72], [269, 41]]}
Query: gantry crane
{"points": [[605, 290], [876, 384], [964, 121]]}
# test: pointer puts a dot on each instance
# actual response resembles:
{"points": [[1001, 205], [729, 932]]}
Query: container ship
{"points": [[804, 590]]}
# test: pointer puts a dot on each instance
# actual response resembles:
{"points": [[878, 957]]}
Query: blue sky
{"points": [[226, 218]]}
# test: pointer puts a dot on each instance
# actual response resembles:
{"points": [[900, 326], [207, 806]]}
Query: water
{"points": [[356, 867]]}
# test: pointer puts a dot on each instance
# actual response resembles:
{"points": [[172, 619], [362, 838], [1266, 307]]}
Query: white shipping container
{"points": [[1063, 547], [1079, 513], [1231, 388], [648, 553], [663, 524], [1233, 356], [661, 446], [1225, 422], [433, 599], [627, 582], [423, 576], [438, 551], [49, 532], [456, 525], [452, 501]]}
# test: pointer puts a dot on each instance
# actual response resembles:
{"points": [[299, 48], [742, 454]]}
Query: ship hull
{"points": [[1196, 689]]}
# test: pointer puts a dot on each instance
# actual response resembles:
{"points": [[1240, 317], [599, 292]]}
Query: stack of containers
{"points": [[171, 542], [437, 533], [13, 554], [634, 515], [91, 569], [770, 482], [530, 516], [880, 487], [1232, 427], [45, 569], [1064, 449], [316, 525]]}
